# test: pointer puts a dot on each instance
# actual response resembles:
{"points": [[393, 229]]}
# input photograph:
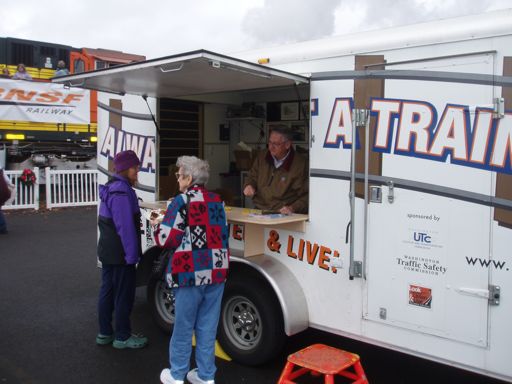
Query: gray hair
{"points": [[195, 167], [282, 130]]}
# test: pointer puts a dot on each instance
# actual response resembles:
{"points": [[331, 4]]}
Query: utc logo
{"points": [[421, 237]]}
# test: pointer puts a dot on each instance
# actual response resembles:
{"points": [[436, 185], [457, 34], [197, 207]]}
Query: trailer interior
{"points": [[211, 106]]}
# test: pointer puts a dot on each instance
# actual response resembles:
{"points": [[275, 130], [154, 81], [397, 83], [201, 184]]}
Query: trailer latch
{"points": [[494, 294], [391, 193]]}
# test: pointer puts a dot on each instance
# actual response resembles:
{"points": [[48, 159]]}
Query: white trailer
{"points": [[406, 244]]}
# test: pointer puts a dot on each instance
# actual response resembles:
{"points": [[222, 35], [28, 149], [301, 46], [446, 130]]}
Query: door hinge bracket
{"points": [[494, 294], [360, 117], [375, 194], [357, 268], [499, 108]]}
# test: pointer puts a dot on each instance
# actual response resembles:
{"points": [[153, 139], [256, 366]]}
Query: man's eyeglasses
{"points": [[276, 143], [178, 175]]}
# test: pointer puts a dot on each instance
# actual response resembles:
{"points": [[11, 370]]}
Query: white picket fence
{"points": [[25, 197], [67, 188], [71, 188]]}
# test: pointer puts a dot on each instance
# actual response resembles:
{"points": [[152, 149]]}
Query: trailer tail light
{"points": [[264, 60], [15, 136]]}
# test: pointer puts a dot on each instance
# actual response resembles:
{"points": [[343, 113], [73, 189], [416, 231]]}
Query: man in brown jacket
{"points": [[278, 179]]}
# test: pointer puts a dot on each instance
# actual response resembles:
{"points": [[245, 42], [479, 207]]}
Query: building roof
{"points": [[114, 56]]}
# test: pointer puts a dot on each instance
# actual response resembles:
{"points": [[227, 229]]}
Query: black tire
{"points": [[161, 301], [251, 329]]}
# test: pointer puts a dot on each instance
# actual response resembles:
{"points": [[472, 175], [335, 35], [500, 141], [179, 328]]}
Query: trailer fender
{"points": [[285, 285]]}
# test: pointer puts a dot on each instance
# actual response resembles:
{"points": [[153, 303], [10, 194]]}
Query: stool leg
{"points": [[286, 373], [329, 379], [360, 372]]}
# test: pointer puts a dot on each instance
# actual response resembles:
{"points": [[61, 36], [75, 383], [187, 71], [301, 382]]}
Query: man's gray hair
{"points": [[282, 130], [195, 167]]}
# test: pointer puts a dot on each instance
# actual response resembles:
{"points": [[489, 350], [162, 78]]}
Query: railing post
{"points": [[36, 189], [48, 188]]}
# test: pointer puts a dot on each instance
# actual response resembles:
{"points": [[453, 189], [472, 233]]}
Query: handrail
{"points": [[366, 164], [352, 195], [419, 75]]}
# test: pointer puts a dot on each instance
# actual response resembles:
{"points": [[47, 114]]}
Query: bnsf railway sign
{"points": [[43, 102]]}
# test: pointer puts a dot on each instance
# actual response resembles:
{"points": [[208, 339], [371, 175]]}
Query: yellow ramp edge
{"points": [[219, 352]]}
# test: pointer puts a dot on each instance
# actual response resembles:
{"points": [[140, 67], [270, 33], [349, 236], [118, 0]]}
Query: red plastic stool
{"points": [[322, 359]]}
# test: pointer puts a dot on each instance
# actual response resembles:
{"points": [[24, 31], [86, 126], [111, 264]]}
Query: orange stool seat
{"points": [[321, 359]]}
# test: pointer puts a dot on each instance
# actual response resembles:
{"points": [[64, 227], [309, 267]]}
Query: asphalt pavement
{"points": [[48, 291]]}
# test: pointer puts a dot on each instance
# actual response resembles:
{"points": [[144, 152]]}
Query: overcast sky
{"points": [[158, 28]]}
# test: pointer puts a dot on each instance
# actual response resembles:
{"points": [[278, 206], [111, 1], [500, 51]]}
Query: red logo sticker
{"points": [[420, 296]]}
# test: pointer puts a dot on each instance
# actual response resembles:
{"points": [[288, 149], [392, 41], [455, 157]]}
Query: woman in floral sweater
{"points": [[195, 227]]}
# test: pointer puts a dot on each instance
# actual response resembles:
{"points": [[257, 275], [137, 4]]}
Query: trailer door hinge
{"points": [[494, 294], [499, 108], [360, 116], [358, 269], [375, 194]]}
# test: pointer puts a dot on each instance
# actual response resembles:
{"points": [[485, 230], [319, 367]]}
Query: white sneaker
{"points": [[166, 378], [195, 379]]}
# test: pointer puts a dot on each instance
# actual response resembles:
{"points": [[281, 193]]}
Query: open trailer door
{"points": [[185, 75]]}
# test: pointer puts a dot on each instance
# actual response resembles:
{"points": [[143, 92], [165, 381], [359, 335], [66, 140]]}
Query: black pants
{"points": [[117, 295]]}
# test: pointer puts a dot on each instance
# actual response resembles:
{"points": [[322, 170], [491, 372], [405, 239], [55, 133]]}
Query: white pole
{"points": [[48, 188], [35, 187]]}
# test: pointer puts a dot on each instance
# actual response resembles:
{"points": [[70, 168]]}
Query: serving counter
{"points": [[246, 232], [247, 226]]}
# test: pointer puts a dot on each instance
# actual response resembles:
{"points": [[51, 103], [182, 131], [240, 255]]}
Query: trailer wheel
{"points": [[161, 301], [251, 327]]}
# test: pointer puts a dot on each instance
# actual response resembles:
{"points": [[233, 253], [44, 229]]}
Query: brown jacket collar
{"points": [[287, 163]]}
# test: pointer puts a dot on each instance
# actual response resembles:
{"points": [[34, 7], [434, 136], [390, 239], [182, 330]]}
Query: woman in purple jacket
{"points": [[119, 250]]}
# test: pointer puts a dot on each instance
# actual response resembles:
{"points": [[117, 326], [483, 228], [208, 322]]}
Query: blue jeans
{"points": [[3, 224], [197, 310], [117, 294]]}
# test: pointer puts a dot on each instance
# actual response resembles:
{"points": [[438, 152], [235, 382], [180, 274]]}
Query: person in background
{"points": [[278, 179], [119, 250], [9, 191], [5, 73], [195, 227], [61, 69], [21, 73]]}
